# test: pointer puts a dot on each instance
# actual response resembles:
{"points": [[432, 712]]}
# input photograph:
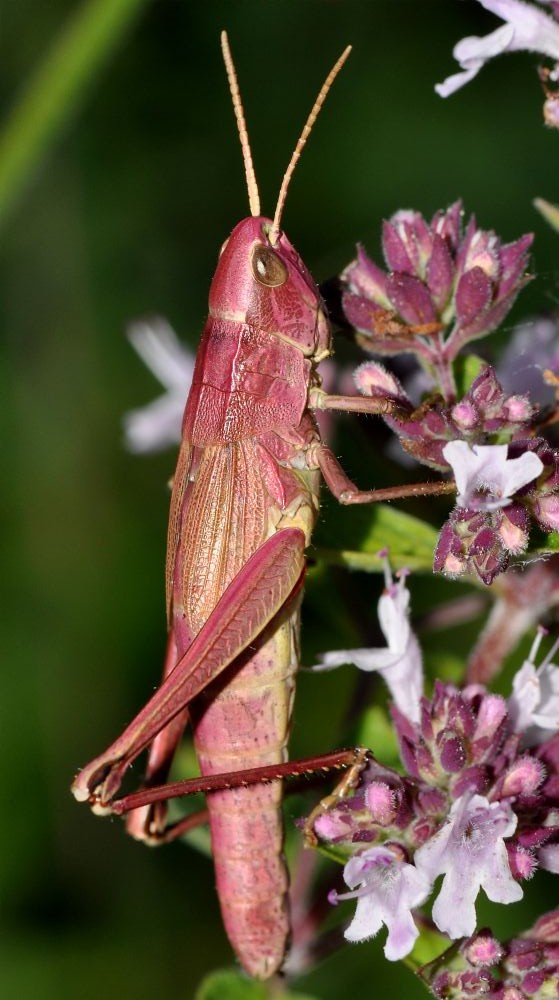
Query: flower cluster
{"points": [[524, 967], [498, 489], [501, 487], [445, 286], [478, 803]]}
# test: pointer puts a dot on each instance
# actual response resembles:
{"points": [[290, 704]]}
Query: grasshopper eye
{"points": [[267, 267]]}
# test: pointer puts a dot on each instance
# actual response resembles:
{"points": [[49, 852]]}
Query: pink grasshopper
{"points": [[244, 502]]}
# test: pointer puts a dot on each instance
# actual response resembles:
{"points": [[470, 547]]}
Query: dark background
{"points": [[124, 217]]}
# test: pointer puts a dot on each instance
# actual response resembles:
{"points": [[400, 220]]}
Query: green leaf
{"points": [[376, 732], [230, 984], [410, 542], [467, 368], [551, 544]]}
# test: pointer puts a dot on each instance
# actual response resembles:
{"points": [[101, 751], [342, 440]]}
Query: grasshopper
{"points": [[245, 498]]}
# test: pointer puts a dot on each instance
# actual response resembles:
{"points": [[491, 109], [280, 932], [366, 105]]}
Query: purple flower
{"points": [[526, 28], [534, 703], [446, 284], [389, 889], [400, 661], [525, 966], [158, 425], [486, 479], [470, 851], [491, 520], [475, 806]]}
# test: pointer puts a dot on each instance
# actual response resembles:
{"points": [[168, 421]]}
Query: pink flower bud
{"points": [[546, 510], [523, 777], [473, 296], [518, 409], [483, 252], [483, 949], [381, 802], [514, 529], [371, 377], [453, 566], [533, 982], [465, 415], [551, 111]]}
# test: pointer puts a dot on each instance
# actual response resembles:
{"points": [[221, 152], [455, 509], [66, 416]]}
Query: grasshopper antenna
{"points": [[253, 196], [275, 230]]}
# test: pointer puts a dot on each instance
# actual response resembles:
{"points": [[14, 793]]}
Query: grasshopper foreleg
{"points": [[339, 484]]}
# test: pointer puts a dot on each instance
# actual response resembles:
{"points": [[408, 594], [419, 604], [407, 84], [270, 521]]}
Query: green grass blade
{"points": [[58, 84]]}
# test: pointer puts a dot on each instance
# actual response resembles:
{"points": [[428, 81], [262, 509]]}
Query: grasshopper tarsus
{"points": [[360, 758]]}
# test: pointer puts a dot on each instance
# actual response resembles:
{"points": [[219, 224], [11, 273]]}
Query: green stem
{"points": [[53, 91]]}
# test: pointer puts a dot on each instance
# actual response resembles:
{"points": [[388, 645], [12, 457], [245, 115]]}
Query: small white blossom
{"points": [[527, 28], [389, 889], [534, 703], [485, 478], [470, 851], [400, 661], [158, 425]]}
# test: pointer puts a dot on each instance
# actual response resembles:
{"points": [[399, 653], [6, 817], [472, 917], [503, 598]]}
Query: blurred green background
{"points": [[123, 215]]}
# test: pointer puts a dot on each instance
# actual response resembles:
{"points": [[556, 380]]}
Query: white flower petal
{"points": [[158, 425], [521, 471], [400, 662], [470, 851], [162, 352], [527, 28], [533, 705], [486, 479], [533, 29], [389, 890], [472, 53], [367, 920]]}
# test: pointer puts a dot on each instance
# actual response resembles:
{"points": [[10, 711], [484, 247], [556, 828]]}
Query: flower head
{"points": [[486, 479], [440, 274], [491, 519], [476, 806], [526, 27], [525, 966]]}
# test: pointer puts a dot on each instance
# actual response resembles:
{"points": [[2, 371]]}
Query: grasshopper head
{"points": [[265, 284]]}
